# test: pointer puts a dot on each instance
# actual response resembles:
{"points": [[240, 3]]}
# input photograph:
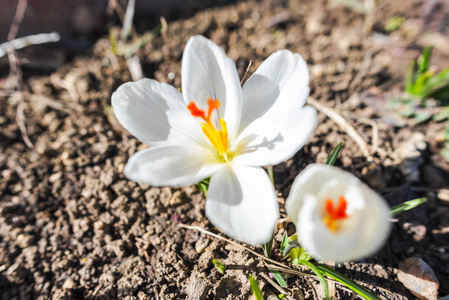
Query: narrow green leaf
{"points": [[396, 210], [422, 116], [267, 248], [420, 83], [333, 156], [113, 42], [424, 59], [219, 264], [319, 274], [292, 245], [278, 278], [410, 77], [255, 288], [284, 242], [203, 185], [355, 287], [304, 255]]}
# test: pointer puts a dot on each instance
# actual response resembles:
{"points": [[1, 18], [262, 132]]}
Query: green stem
{"points": [[318, 273], [347, 282]]}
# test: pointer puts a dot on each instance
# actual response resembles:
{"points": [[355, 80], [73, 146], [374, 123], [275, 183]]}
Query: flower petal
{"points": [[280, 82], [310, 181], [360, 234], [173, 165], [208, 73], [275, 137], [242, 203], [155, 113], [365, 232]]}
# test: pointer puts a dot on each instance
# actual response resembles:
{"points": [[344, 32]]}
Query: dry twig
{"points": [[276, 286], [275, 265], [128, 20], [22, 42], [340, 121], [67, 85], [246, 72], [16, 70], [232, 242], [165, 49]]}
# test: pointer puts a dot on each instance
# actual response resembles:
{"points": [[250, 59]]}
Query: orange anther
{"points": [[333, 215], [195, 111]]}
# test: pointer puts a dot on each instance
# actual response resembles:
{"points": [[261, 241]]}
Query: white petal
{"points": [[276, 137], [280, 82], [311, 181], [208, 73], [173, 165], [242, 203], [155, 113], [364, 233], [361, 234]]}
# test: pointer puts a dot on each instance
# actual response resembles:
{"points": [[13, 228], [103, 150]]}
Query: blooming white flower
{"points": [[217, 128], [337, 217]]}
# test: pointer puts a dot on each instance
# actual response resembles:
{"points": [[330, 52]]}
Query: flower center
{"points": [[218, 136], [333, 215]]}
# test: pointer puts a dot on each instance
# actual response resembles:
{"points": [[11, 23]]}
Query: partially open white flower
{"points": [[217, 128], [337, 217]]}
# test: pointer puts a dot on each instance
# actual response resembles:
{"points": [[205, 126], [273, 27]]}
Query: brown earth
{"points": [[73, 227]]}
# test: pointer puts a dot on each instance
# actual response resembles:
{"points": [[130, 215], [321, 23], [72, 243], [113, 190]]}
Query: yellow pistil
{"points": [[218, 137], [333, 215]]}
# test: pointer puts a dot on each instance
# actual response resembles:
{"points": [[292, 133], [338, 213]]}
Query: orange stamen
{"points": [[195, 111], [333, 215], [217, 137]]}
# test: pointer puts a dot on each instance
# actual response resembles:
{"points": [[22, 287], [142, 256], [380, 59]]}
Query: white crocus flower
{"points": [[338, 218], [217, 128]]}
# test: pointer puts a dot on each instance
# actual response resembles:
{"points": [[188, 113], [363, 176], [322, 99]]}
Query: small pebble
{"points": [[418, 277]]}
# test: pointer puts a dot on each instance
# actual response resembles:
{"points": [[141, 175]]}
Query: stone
{"points": [[201, 245], [418, 277], [69, 284]]}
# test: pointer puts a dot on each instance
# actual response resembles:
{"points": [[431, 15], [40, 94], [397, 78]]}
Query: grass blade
{"points": [[203, 185], [255, 288], [333, 156], [219, 264], [355, 287], [318, 273], [281, 281], [396, 210], [424, 59]]}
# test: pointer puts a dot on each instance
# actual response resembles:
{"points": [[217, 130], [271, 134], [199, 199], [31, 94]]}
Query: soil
{"points": [[73, 227]]}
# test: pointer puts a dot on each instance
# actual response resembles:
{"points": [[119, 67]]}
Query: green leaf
{"points": [[396, 210], [422, 115], [424, 59], [304, 255], [438, 85], [284, 242], [333, 156], [394, 23], [203, 185], [420, 84], [410, 77], [442, 115], [355, 287], [219, 264], [267, 248], [113, 42], [319, 274], [255, 288], [278, 278]]}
